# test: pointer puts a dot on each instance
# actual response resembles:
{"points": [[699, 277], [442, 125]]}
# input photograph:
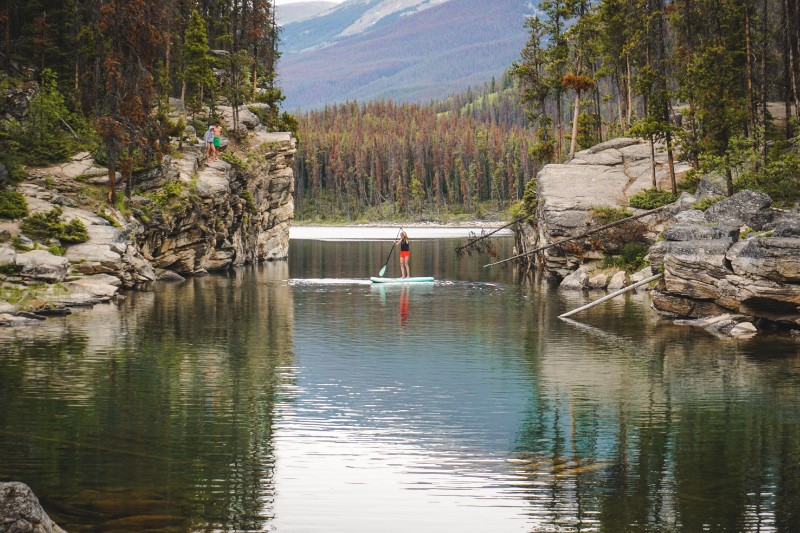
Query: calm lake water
{"points": [[297, 397]]}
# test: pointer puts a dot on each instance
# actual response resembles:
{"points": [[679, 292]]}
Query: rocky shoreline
{"points": [[187, 217], [732, 266]]}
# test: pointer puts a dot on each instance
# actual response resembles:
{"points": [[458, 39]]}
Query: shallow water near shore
{"points": [[298, 397]]}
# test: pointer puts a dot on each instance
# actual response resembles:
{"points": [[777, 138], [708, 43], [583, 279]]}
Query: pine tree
{"points": [[197, 72]]}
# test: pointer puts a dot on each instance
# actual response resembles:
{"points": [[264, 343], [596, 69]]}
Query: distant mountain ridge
{"points": [[347, 19], [422, 50], [297, 11]]}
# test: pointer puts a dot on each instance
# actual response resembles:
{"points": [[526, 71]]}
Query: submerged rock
{"points": [[724, 324]]}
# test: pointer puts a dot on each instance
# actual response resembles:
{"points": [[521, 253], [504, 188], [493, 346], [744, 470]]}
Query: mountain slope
{"points": [[297, 11], [419, 56], [349, 18]]}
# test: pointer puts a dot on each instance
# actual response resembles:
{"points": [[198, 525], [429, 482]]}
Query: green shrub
{"points": [[606, 215], [530, 199], [49, 132], [630, 260], [12, 205], [707, 202], [651, 198], [168, 193], [16, 242], [781, 180], [46, 226], [249, 201], [56, 249], [108, 218], [74, 232], [233, 160], [633, 254], [690, 182], [10, 269]]}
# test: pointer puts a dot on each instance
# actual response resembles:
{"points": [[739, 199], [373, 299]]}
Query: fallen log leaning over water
{"points": [[581, 236], [612, 295], [471, 245]]}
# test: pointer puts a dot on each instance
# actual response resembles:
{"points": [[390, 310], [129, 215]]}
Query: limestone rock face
{"points": [[109, 251], [714, 272], [773, 258], [606, 175], [20, 511], [8, 256], [690, 232], [239, 215]]}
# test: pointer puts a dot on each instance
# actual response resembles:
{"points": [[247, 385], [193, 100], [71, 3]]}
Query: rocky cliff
{"points": [[604, 176], [186, 216], [740, 257], [223, 215], [735, 264]]}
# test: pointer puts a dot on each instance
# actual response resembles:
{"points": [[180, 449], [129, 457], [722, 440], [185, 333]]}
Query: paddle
{"points": [[383, 269]]}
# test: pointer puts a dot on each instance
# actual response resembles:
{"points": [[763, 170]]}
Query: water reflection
{"points": [[154, 414], [680, 430], [298, 397]]}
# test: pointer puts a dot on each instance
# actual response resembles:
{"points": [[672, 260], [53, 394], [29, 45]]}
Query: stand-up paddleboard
{"points": [[402, 280]]}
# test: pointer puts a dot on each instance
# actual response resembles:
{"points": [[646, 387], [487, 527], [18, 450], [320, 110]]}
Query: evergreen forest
{"points": [[106, 75], [715, 82], [466, 156]]}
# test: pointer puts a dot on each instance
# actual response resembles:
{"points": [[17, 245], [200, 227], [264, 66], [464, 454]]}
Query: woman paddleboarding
{"points": [[405, 253]]}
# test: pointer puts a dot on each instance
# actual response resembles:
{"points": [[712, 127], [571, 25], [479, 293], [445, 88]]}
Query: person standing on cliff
{"points": [[405, 253], [217, 139], [209, 139]]}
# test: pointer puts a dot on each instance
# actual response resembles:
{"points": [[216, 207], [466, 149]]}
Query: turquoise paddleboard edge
{"points": [[401, 280]]}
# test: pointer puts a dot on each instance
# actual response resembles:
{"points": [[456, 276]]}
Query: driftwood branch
{"points": [[612, 295], [473, 241], [581, 236]]}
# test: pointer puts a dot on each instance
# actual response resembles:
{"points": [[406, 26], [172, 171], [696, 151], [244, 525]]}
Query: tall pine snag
{"points": [[129, 45]]}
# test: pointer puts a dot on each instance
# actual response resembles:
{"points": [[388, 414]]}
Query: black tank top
{"points": [[404, 246]]}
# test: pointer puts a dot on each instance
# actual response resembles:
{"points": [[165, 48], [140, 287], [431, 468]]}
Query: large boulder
{"points": [[712, 185], [691, 232], [606, 175], [745, 208], [8, 256], [709, 271], [694, 268], [787, 226], [40, 265], [21, 512]]}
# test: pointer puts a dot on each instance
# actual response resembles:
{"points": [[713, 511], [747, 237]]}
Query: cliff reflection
{"points": [[165, 401], [639, 425]]}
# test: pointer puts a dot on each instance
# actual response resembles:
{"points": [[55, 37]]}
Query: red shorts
{"points": [[405, 253]]}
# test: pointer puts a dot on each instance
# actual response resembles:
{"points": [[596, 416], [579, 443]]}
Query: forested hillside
{"points": [[98, 75], [383, 160], [697, 76]]}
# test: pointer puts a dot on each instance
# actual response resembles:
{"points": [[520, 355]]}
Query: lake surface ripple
{"points": [[297, 397]]}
